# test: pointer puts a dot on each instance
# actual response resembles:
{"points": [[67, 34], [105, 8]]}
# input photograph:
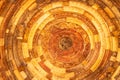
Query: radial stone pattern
{"points": [[59, 39]]}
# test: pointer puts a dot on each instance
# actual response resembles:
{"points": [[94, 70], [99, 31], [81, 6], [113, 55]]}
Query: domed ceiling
{"points": [[59, 39]]}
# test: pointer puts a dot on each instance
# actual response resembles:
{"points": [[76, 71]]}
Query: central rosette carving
{"points": [[63, 43]]}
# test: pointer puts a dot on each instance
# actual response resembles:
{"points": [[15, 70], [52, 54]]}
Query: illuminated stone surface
{"points": [[60, 40]]}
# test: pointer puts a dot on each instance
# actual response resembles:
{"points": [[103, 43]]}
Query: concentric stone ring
{"points": [[60, 40]]}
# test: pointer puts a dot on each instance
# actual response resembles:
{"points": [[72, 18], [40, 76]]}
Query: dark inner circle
{"points": [[65, 43]]}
